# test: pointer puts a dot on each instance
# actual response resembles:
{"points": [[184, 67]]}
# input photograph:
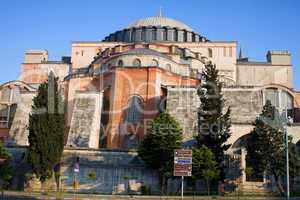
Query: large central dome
{"points": [[156, 29], [160, 21]]}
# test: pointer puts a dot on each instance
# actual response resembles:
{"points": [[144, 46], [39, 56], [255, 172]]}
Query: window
{"points": [[134, 110], [168, 67], [3, 116], [9, 98], [230, 51], [279, 98], [286, 100], [272, 95], [120, 63], [136, 63], [154, 63], [210, 53]]}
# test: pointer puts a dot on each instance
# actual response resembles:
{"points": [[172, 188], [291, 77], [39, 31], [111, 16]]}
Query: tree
{"points": [[214, 124], [46, 129], [157, 148], [204, 165], [5, 167], [266, 146]]}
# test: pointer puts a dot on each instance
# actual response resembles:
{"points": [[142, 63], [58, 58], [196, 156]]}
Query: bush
{"points": [[6, 171], [92, 176], [145, 190]]}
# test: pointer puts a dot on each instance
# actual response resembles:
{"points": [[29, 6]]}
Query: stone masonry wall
{"points": [[85, 123], [183, 104], [18, 133], [245, 104], [116, 172]]}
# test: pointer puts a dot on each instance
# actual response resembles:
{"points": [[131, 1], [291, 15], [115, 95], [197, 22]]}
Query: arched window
{"points": [[134, 110], [4, 116], [136, 62], [279, 98], [154, 63], [210, 53], [120, 63]]}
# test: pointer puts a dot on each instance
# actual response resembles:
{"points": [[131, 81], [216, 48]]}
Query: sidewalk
{"points": [[69, 196]]}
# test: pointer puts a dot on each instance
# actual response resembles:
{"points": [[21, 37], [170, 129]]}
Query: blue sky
{"points": [[258, 25]]}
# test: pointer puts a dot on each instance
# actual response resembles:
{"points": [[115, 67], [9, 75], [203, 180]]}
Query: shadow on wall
{"points": [[107, 172], [136, 118]]}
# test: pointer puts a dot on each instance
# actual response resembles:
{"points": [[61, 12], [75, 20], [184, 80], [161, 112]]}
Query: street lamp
{"points": [[287, 121]]}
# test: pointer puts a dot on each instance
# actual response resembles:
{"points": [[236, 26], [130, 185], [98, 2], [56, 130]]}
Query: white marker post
{"points": [[182, 180]]}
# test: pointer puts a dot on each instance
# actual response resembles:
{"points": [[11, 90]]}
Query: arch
{"points": [[278, 86], [120, 63], [20, 84], [210, 53], [154, 63], [134, 111], [137, 62], [228, 81], [250, 173], [271, 92], [240, 142]]}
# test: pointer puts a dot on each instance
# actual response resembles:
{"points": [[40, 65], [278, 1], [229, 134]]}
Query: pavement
{"points": [[9, 195]]}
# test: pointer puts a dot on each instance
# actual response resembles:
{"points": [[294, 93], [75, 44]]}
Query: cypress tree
{"points": [[46, 129], [214, 123]]}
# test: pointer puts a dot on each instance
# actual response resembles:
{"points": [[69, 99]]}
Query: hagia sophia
{"points": [[113, 88]]}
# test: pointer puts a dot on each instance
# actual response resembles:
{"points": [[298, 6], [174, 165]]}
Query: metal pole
{"points": [[182, 179], [287, 158], [74, 185]]}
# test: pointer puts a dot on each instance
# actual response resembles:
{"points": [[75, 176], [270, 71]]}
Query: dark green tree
{"points": [[5, 167], [214, 123], [46, 129], [266, 146], [204, 165], [157, 148]]}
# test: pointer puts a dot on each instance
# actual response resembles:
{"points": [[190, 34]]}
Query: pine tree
{"points": [[214, 124], [266, 146], [157, 148], [46, 129]]}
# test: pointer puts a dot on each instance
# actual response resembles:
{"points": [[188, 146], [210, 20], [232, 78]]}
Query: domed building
{"points": [[114, 88]]}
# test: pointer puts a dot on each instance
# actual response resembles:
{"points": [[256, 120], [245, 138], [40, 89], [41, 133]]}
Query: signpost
{"points": [[76, 171], [183, 164]]}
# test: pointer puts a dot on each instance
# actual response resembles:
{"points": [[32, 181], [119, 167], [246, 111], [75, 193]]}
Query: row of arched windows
{"points": [[137, 63]]}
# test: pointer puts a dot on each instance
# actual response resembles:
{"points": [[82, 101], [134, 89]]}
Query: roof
{"points": [[144, 51], [160, 21]]}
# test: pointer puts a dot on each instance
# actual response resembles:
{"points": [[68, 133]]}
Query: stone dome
{"points": [[156, 29], [160, 21]]}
